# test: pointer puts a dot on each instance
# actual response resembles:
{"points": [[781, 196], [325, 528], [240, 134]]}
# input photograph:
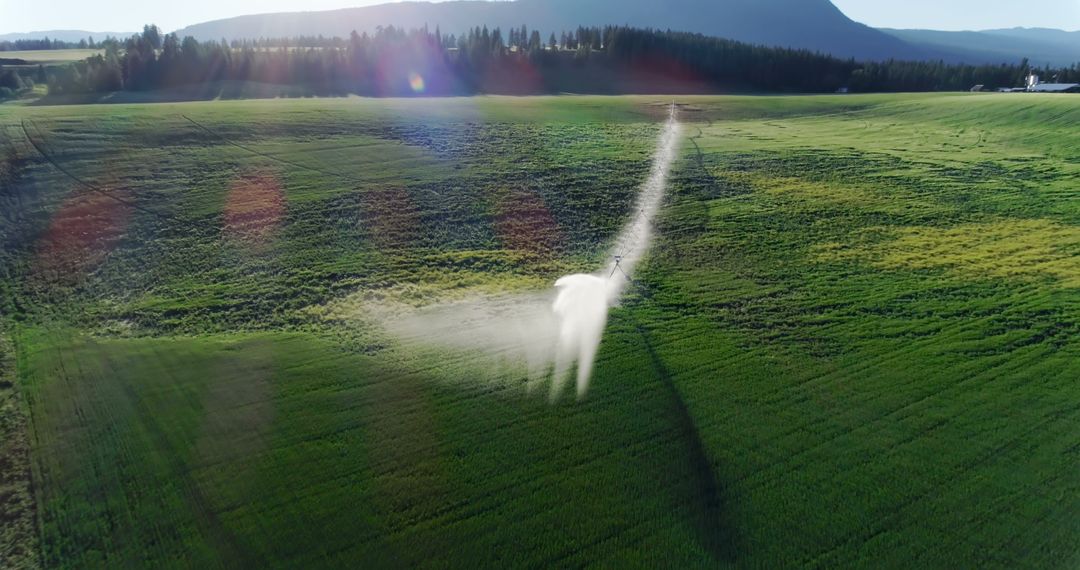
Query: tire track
{"points": [[895, 415], [883, 523], [279, 160], [700, 156], [824, 378], [91, 187], [235, 555], [268, 156]]}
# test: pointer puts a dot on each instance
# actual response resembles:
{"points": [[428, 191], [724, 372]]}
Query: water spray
{"points": [[583, 301], [557, 339]]}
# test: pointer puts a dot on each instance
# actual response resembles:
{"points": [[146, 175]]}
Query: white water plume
{"points": [[551, 336], [583, 300]]}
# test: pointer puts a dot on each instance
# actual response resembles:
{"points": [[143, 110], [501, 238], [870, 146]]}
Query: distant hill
{"points": [[62, 35], [812, 24], [1066, 45], [1042, 46], [816, 25]]}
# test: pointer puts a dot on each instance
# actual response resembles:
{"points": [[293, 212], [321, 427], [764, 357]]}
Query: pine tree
{"points": [[152, 34]]}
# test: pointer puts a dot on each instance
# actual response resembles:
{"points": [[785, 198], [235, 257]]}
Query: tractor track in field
{"points": [[40, 148], [836, 435], [286, 162], [700, 156], [229, 546], [776, 395], [882, 524], [269, 156], [11, 172], [801, 456]]}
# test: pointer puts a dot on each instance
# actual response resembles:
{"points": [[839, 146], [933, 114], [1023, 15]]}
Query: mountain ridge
{"points": [[817, 25], [1041, 46]]}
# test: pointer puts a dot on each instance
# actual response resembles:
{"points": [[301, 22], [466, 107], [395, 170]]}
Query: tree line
{"points": [[612, 59], [47, 44], [15, 81]]}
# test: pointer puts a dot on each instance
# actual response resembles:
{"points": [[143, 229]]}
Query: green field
{"points": [[856, 342], [50, 56]]}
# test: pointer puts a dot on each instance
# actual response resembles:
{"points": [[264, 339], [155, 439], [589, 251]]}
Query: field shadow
{"points": [[708, 502]]}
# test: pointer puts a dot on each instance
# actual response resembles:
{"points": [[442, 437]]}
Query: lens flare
{"points": [[416, 82], [81, 235], [254, 208]]}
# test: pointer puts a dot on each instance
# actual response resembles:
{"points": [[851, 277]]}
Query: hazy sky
{"points": [[130, 15], [963, 14]]}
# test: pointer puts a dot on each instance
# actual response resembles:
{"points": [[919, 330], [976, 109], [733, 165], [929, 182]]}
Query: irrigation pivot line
{"points": [[636, 237]]}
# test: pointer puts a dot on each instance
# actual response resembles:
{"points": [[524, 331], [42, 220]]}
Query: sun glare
{"points": [[416, 82]]}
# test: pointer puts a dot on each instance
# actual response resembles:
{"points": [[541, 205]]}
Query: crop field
{"points": [[855, 342], [51, 56]]}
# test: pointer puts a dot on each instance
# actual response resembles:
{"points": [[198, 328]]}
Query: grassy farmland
{"points": [[51, 56], [855, 343]]}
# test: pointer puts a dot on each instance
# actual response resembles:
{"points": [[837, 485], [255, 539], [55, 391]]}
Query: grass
{"points": [[1010, 249], [19, 533], [854, 343]]}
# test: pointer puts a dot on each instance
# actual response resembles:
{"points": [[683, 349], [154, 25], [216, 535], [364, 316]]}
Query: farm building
{"points": [[1055, 88], [1034, 85]]}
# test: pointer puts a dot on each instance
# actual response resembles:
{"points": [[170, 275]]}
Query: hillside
{"points": [[1059, 37], [1041, 46], [812, 24]]}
